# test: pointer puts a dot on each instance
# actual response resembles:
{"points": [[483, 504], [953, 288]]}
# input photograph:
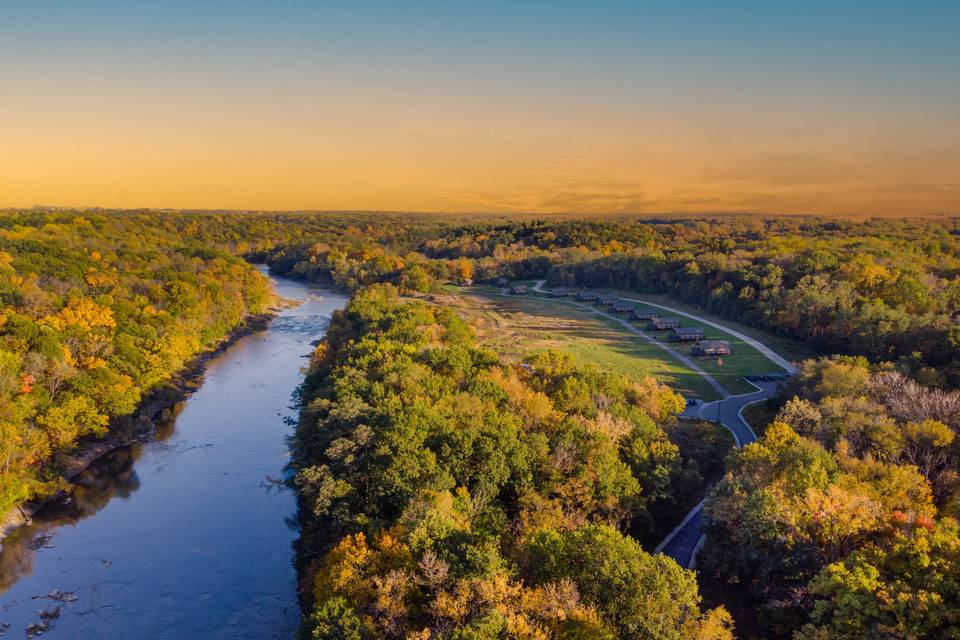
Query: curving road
{"points": [[683, 543], [753, 342]]}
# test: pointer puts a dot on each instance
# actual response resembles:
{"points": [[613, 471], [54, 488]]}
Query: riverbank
{"points": [[140, 425]]}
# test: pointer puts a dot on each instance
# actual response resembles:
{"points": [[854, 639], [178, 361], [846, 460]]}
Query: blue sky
{"points": [[492, 105]]}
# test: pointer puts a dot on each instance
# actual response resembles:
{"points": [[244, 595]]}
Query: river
{"points": [[188, 535]]}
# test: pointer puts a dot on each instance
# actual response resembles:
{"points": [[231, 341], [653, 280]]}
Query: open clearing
{"points": [[521, 325], [728, 370], [787, 347]]}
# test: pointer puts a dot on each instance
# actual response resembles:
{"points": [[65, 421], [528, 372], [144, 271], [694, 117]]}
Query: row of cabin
{"points": [[711, 348], [680, 334], [708, 348], [687, 334]]}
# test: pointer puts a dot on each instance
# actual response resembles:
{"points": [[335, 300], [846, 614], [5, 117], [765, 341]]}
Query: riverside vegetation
{"points": [[450, 495], [95, 310], [446, 493]]}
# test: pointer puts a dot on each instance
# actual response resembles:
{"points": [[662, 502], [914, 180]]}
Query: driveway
{"points": [[683, 543]]}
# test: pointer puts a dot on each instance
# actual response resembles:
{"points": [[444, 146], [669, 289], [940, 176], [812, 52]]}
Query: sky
{"points": [[775, 107]]}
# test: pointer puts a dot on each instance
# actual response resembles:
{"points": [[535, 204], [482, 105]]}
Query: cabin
{"points": [[712, 348], [687, 334], [644, 315], [623, 307], [586, 296], [518, 290], [560, 292], [502, 282], [466, 282], [661, 324], [609, 302]]}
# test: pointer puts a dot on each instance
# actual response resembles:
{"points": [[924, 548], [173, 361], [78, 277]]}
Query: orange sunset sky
{"points": [[548, 107]]}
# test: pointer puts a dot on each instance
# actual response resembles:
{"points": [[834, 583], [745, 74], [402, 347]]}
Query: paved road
{"points": [[753, 342], [683, 543], [629, 326]]}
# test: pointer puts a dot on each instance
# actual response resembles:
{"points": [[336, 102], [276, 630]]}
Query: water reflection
{"points": [[186, 535], [110, 476]]}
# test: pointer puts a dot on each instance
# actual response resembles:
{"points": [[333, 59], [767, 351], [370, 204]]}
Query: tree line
{"points": [[95, 310], [885, 289], [446, 494], [841, 521]]}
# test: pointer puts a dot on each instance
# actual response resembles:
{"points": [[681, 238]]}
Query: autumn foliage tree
{"points": [[446, 494]]}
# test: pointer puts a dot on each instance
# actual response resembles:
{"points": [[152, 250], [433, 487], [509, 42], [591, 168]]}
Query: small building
{"points": [[712, 348], [586, 296], [661, 324], [644, 315], [502, 282], [518, 290], [560, 292], [466, 282], [687, 334], [623, 307], [609, 302]]}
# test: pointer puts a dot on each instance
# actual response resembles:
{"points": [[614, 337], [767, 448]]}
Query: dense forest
{"points": [[94, 311], [842, 520], [448, 494], [885, 289]]}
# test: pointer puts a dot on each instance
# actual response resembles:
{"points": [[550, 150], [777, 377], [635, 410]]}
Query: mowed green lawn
{"points": [[727, 370], [789, 348], [519, 325]]}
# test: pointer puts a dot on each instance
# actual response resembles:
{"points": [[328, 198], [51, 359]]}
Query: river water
{"points": [[188, 535]]}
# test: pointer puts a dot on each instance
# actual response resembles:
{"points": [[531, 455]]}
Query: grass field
{"points": [[520, 325], [728, 370], [787, 347]]}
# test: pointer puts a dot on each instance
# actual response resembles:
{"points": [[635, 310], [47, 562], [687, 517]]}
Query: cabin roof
{"points": [[688, 330]]}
